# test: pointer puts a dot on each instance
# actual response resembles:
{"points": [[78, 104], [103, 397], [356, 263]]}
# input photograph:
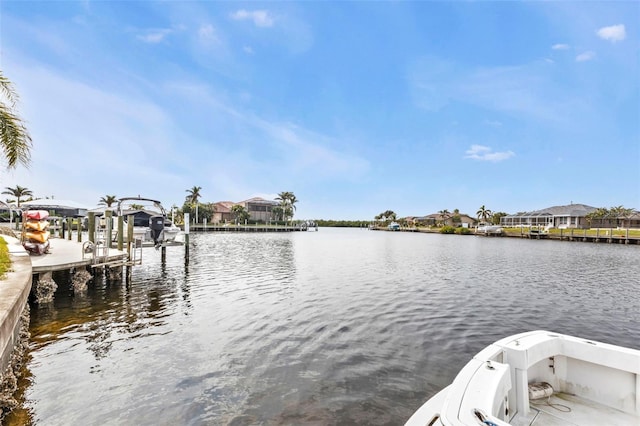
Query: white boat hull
{"points": [[591, 383], [143, 233]]}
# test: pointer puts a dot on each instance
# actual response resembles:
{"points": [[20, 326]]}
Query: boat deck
{"points": [[569, 410]]}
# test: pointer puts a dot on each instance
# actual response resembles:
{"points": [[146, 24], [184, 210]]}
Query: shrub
{"points": [[5, 260], [447, 229], [463, 231]]}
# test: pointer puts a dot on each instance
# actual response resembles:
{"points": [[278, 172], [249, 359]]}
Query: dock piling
{"points": [[120, 232], [92, 227], [109, 223]]}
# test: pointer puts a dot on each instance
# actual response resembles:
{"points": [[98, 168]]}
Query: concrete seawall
{"points": [[14, 321]]}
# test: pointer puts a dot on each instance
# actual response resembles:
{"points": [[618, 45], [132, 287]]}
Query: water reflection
{"points": [[334, 327]]}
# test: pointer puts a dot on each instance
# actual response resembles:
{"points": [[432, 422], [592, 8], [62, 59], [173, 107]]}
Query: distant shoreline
{"points": [[610, 236]]}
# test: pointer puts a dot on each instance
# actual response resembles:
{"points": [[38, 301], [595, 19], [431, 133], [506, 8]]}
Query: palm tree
{"points": [[444, 216], [483, 213], [287, 203], [15, 141], [276, 213], [193, 197], [620, 212], [292, 201], [108, 200], [390, 215], [456, 216], [239, 213], [625, 213], [386, 215], [18, 192]]}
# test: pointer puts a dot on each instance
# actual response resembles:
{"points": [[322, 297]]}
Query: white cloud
{"points": [[248, 50], [560, 46], [260, 18], [155, 36], [207, 34], [528, 91], [484, 153], [493, 123], [586, 56], [613, 33]]}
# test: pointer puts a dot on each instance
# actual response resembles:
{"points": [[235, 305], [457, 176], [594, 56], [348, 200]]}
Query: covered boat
{"points": [[540, 378], [150, 221]]}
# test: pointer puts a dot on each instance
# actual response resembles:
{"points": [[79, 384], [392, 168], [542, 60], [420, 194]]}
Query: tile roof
{"points": [[568, 210]]}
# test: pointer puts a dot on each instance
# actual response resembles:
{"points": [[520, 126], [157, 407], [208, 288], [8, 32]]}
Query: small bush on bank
{"points": [[463, 231], [5, 261], [447, 230]]}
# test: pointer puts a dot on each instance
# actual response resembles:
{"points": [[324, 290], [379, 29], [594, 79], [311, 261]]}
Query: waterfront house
{"points": [[222, 212], [632, 221], [259, 209], [563, 217], [450, 220], [56, 207]]}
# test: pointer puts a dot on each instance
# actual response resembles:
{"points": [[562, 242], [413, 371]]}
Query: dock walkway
{"points": [[249, 228], [64, 254]]}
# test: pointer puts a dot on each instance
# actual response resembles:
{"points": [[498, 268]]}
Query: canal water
{"points": [[336, 327]]}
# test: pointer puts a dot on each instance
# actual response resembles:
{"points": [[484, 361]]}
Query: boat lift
{"points": [[99, 254]]}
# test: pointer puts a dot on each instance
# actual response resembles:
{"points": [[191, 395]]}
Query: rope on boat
{"points": [[538, 391], [555, 405]]}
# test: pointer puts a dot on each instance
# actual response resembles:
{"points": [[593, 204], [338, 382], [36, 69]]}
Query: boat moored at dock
{"points": [[540, 378], [150, 221], [484, 229]]}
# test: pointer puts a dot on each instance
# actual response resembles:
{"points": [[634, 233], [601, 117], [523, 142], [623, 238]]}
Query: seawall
{"points": [[14, 321]]}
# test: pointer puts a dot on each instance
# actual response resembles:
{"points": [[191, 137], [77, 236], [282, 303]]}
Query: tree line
{"points": [[444, 216]]}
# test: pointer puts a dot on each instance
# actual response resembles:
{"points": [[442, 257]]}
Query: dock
{"points": [[65, 254], [619, 237], [251, 228]]}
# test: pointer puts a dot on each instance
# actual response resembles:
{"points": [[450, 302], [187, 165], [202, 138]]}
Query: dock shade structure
{"points": [[55, 207]]}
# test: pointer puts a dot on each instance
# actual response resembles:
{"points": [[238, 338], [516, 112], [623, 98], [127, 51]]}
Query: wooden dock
{"points": [[609, 239], [64, 254], [576, 235], [610, 236], [248, 228]]}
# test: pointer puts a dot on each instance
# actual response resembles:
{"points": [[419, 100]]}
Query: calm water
{"points": [[330, 328]]}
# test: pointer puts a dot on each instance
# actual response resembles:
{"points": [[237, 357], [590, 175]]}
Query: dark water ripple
{"points": [[329, 328]]}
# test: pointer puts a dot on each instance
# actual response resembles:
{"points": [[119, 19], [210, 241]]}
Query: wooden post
{"points": [[129, 234], [186, 238], [120, 232], [79, 229], [69, 226], [107, 215], [92, 227]]}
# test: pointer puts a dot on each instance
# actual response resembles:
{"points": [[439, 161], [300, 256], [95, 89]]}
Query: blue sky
{"points": [[356, 107]]}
